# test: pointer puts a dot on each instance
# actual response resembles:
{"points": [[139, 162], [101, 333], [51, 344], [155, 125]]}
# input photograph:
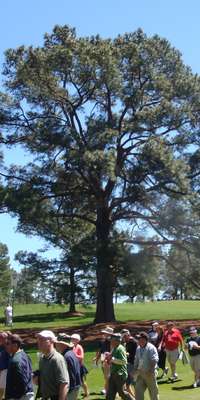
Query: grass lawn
{"points": [[179, 390], [39, 315]]}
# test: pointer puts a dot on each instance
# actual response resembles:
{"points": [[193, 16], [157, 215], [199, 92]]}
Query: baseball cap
{"points": [[47, 335], [76, 336]]}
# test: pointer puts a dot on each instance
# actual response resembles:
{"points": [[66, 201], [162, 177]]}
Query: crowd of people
{"points": [[130, 364]]}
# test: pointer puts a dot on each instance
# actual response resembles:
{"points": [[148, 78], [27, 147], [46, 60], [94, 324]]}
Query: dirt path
{"points": [[92, 333]]}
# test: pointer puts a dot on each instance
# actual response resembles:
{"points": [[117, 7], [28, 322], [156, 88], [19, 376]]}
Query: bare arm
{"points": [[63, 390]]}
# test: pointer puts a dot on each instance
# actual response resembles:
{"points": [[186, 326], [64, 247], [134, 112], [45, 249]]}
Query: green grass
{"points": [[37, 316], [179, 390], [34, 316]]}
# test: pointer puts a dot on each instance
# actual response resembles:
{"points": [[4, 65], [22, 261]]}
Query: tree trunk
{"points": [[132, 299], [105, 308], [72, 304]]}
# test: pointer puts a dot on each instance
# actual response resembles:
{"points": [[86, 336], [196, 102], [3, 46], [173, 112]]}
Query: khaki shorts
{"points": [[3, 375], [172, 356], [195, 363]]}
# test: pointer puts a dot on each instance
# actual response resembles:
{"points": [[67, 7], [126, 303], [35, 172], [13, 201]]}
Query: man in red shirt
{"points": [[172, 340]]}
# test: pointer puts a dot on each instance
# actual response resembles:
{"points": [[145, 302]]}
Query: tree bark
{"points": [[105, 307], [72, 304]]}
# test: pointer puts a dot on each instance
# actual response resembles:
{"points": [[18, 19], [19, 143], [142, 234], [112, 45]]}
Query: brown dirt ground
{"points": [[92, 333]]}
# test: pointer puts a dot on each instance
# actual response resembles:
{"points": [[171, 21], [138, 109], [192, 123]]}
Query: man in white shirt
{"points": [[145, 363], [8, 315]]}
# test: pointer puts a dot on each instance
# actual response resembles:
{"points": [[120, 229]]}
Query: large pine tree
{"points": [[108, 125]]}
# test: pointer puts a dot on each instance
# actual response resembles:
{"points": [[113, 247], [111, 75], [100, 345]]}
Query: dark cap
{"points": [[142, 335]]}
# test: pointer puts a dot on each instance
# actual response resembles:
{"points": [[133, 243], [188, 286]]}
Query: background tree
{"points": [[108, 125], [142, 276], [5, 274]]}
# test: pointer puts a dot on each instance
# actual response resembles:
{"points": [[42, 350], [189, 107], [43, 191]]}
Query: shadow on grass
{"points": [[49, 317], [183, 387], [168, 381], [95, 396]]}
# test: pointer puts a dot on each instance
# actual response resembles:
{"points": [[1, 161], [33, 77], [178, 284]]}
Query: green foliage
{"points": [[141, 276], [5, 274], [109, 126]]}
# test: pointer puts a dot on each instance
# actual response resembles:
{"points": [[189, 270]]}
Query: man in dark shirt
{"points": [[130, 345], [19, 376], [4, 358], [193, 346], [73, 365]]}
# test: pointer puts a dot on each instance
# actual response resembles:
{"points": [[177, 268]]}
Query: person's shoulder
{"points": [[57, 355], [176, 330], [151, 346], [57, 359], [121, 348]]}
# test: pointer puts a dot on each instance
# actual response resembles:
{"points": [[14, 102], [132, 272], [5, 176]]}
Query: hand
{"points": [[195, 346]]}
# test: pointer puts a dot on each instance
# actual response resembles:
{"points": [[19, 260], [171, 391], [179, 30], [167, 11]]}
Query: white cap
{"points": [[47, 335], [76, 336]]}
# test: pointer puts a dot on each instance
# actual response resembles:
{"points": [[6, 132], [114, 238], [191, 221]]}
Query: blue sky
{"points": [[25, 22]]}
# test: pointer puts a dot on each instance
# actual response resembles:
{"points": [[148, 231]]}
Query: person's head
{"points": [[142, 338], [193, 331], [62, 343], [13, 343], [125, 335], [107, 332], [116, 339], [75, 338], [3, 338], [46, 340], [159, 329], [154, 325], [170, 326]]}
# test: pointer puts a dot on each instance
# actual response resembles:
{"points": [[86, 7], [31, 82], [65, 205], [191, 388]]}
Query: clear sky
{"points": [[25, 22]]}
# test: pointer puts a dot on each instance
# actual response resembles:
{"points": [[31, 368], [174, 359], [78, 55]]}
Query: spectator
{"points": [[8, 315], [153, 334], [193, 346], [78, 350], [161, 350], [145, 364], [118, 372], [4, 359], [172, 340], [104, 348], [53, 373], [73, 365], [19, 376], [130, 345]]}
